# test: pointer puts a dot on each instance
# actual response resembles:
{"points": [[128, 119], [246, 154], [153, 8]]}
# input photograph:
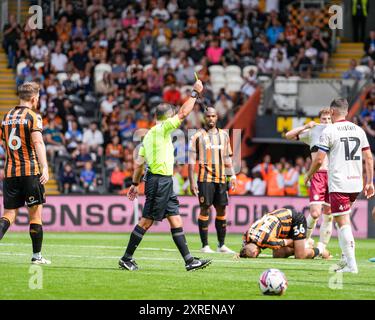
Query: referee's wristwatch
{"points": [[135, 184], [194, 94]]}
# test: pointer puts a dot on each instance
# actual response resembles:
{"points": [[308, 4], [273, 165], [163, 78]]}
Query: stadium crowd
{"points": [[103, 65]]}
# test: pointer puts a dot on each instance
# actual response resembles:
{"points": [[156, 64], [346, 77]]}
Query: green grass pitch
{"points": [[84, 266]]}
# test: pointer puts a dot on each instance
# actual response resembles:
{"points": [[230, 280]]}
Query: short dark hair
{"points": [[341, 105], [163, 111]]}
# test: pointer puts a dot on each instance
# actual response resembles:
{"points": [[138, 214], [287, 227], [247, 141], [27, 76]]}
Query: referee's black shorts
{"points": [[211, 193], [20, 190], [161, 201]]}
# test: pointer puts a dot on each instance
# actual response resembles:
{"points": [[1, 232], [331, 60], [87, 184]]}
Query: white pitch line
{"points": [[290, 262]]}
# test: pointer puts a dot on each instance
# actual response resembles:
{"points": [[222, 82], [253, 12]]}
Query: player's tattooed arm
{"points": [[294, 133]]}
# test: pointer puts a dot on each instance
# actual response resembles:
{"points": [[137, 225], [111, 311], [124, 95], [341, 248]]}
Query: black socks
{"points": [[36, 234], [4, 226], [134, 241], [180, 241]]}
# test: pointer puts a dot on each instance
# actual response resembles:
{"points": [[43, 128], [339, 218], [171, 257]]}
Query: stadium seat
{"points": [[75, 77], [217, 86], [39, 65], [62, 76], [20, 66], [100, 69], [198, 68], [245, 70], [147, 67], [232, 70], [234, 86], [216, 69], [79, 110], [365, 70]]}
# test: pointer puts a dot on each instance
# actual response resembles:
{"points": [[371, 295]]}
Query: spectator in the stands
{"points": [[88, 177], [223, 107], [172, 95], [352, 73], [73, 137], [311, 53], [68, 179], [114, 152], [117, 179], [359, 11], [370, 45], [185, 74], [39, 51], [250, 84], [54, 139], [59, 60], [321, 46], [265, 168], [214, 52], [106, 84], [302, 64], [106, 107], [257, 186], [275, 181], [243, 185], [280, 65], [274, 31], [290, 180], [93, 138], [218, 21], [11, 33], [180, 43]]}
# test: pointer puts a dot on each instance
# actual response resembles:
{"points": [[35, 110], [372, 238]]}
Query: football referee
{"points": [[161, 202]]}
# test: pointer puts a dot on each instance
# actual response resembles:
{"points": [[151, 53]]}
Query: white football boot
{"points": [[207, 249], [40, 260], [224, 249]]}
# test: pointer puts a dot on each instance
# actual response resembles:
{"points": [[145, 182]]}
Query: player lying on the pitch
{"points": [[283, 231]]}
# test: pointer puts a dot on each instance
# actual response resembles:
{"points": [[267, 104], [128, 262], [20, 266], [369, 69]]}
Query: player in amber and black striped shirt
{"points": [[26, 168], [210, 146], [283, 231]]}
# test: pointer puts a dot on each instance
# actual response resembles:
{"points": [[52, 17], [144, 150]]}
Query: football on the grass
{"points": [[273, 282]]}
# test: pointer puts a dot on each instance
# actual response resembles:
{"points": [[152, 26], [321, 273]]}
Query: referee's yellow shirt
{"points": [[157, 147]]}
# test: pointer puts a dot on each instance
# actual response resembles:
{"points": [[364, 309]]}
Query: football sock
{"points": [[325, 231], [134, 241], [36, 234], [180, 241], [348, 245], [203, 229], [339, 237], [4, 226], [221, 229], [310, 222]]}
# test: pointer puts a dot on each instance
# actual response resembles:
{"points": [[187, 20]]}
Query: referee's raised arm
{"points": [[188, 106]]}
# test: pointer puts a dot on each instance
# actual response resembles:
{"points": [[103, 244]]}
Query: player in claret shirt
{"points": [[346, 145]]}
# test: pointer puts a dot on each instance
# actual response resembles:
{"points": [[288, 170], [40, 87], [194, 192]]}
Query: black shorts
{"points": [[211, 193], [21, 190], [161, 201]]}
